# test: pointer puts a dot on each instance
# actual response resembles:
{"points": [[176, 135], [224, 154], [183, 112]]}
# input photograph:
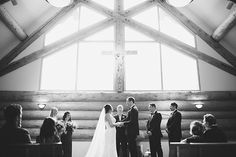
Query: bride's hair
{"points": [[107, 108]]}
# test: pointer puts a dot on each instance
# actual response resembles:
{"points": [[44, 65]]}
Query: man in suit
{"points": [[121, 139], [174, 127], [11, 132], [132, 126], [154, 131], [212, 133]]}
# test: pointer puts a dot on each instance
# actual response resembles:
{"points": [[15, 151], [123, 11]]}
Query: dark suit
{"points": [[153, 125], [12, 135], [121, 139], [214, 134], [174, 127], [132, 127]]}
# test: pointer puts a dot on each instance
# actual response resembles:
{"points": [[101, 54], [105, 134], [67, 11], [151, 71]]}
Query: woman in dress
{"points": [[104, 140], [66, 136]]}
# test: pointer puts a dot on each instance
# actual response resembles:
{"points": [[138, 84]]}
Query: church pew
{"points": [[32, 150], [204, 149]]}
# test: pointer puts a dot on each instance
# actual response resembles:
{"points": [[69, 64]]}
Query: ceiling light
{"points": [[178, 3], [60, 3]]}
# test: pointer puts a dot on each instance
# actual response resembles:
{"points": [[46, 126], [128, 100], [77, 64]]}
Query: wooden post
{"points": [[225, 27], [12, 24]]}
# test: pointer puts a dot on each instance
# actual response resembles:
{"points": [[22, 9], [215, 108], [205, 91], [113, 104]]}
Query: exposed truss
{"points": [[120, 17]]}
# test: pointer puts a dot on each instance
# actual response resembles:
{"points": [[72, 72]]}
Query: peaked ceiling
{"points": [[31, 15]]}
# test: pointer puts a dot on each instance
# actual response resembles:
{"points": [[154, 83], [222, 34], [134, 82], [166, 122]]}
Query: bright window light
{"points": [[107, 3], [63, 29], [133, 35], [172, 28], [131, 3], [142, 70], [179, 71], [59, 70], [95, 70]]}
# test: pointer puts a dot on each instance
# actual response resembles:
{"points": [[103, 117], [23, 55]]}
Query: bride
{"points": [[104, 139]]}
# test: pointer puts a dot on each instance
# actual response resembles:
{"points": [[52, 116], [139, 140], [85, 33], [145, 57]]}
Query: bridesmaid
{"points": [[66, 136]]}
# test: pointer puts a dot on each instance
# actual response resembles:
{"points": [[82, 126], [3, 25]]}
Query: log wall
{"points": [[86, 107]]}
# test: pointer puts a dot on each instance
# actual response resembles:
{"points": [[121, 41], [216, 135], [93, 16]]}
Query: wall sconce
{"points": [[42, 106], [60, 3], [178, 3], [198, 105]]}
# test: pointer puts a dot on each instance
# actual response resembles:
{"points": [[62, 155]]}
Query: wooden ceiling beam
{"points": [[176, 44], [12, 24], [36, 34], [225, 26], [57, 46], [198, 31]]}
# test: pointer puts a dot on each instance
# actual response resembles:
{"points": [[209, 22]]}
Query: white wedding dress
{"points": [[104, 139]]}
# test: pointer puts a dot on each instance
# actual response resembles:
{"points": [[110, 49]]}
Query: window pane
{"points": [[89, 17], [95, 70], [104, 35], [63, 29], [131, 3], [142, 71], [179, 71], [149, 18], [58, 70], [107, 3], [170, 27], [133, 35]]}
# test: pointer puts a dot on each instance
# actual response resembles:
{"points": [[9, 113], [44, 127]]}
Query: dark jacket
{"points": [[120, 131], [154, 125], [131, 122], [214, 134], [12, 135], [174, 127], [193, 139]]}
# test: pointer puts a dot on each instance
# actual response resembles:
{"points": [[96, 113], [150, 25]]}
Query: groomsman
{"points": [[174, 128], [154, 131], [131, 122], [121, 139]]}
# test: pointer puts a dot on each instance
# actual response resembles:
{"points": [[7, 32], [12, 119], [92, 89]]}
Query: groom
{"points": [[131, 123]]}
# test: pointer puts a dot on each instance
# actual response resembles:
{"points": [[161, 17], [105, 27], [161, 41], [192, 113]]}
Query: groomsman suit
{"points": [[174, 126], [153, 125], [121, 139], [131, 122]]}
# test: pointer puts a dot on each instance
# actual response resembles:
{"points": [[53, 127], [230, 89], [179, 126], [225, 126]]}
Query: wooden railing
{"points": [[204, 149], [32, 150]]}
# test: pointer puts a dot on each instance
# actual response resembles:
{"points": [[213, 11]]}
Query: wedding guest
{"points": [[213, 133], [132, 126], [174, 127], [154, 131], [48, 132], [53, 113], [11, 132], [196, 130], [121, 139], [66, 136]]}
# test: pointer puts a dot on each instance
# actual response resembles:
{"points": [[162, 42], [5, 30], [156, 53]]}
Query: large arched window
{"points": [[122, 56]]}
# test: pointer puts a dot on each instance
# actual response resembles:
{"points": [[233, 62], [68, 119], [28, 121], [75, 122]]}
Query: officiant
{"points": [[121, 139]]}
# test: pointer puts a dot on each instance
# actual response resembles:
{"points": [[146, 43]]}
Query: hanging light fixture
{"points": [[60, 3], [178, 3]]}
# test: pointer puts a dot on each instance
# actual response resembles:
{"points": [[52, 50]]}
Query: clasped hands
{"points": [[120, 124]]}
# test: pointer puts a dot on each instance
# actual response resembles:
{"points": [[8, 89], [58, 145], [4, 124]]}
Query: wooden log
{"points": [[226, 105], [225, 27], [12, 24], [200, 32], [53, 96], [36, 34]]}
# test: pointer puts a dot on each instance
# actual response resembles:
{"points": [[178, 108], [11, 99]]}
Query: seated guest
{"points": [[48, 132], [11, 132], [212, 132], [196, 130]]}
